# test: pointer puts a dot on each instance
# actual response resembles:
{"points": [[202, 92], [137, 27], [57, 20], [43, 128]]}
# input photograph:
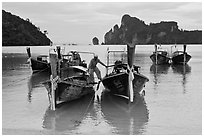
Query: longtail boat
{"points": [[41, 63], [66, 83], [72, 58], [160, 56], [181, 57], [125, 80]]}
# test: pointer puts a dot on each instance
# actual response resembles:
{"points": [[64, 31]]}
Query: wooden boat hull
{"points": [[69, 90], [67, 82], [179, 59], [39, 65], [118, 83], [161, 59]]}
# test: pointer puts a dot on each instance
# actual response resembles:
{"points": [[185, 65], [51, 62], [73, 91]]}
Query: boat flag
{"points": [[130, 82]]}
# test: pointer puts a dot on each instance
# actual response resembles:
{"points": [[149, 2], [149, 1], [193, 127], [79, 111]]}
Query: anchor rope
{"points": [[19, 80], [88, 106]]}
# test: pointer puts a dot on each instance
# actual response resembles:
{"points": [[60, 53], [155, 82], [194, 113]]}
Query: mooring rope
{"points": [[19, 80], [85, 112]]}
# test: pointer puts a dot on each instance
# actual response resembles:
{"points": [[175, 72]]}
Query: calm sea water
{"points": [[172, 104]]}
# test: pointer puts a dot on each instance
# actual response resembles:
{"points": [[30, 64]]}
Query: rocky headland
{"points": [[160, 33], [19, 32]]}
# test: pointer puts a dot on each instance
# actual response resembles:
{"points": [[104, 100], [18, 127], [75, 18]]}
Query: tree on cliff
{"points": [[17, 31], [45, 32], [95, 41]]}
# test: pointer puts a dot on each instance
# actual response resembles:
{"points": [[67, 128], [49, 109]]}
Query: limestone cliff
{"points": [[161, 33]]}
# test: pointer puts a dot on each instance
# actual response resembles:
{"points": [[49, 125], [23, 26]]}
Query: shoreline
{"points": [[7, 131]]}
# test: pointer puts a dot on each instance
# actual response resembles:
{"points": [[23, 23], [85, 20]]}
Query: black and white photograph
{"points": [[101, 68]]}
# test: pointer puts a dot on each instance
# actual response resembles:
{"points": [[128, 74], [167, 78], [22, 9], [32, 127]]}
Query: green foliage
{"points": [[16, 31]]}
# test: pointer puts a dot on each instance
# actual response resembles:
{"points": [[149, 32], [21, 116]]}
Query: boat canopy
{"points": [[42, 56], [177, 53]]}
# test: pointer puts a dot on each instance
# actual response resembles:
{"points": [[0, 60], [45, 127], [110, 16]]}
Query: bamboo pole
{"points": [[184, 52], [107, 61], [156, 59], [28, 52], [29, 56], [53, 102]]}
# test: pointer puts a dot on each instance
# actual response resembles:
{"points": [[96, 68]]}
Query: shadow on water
{"points": [[68, 116], [35, 81], [182, 70], [127, 118]]}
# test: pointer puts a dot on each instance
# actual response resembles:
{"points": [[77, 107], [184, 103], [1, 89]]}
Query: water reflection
{"points": [[35, 81], [158, 70], [182, 70], [69, 115], [11, 61], [126, 118]]}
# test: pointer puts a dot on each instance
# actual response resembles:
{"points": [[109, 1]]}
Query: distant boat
{"points": [[125, 79], [181, 57], [40, 64], [72, 58], [160, 57], [66, 85]]}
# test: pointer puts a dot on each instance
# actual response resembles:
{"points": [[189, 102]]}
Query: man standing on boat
{"points": [[93, 68]]}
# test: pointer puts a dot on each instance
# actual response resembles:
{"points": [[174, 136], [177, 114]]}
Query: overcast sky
{"points": [[68, 22]]}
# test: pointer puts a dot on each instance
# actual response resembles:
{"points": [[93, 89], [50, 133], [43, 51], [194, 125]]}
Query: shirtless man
{"points": [[93, 68]]}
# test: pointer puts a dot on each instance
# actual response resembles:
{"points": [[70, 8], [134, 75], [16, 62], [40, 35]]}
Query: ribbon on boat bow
{"points": [[131, 53], [130, 82]]}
